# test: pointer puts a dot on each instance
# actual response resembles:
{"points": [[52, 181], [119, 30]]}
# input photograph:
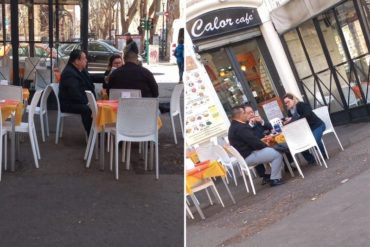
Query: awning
{"points": [[295, 12]]}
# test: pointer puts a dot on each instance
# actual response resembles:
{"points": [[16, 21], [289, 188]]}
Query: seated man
{"points": [[74, 81], [133, 76], [253, 150]]}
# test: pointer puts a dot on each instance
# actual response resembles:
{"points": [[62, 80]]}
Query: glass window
{"points": [[313, 46], [351, 28], [297, 54], [366, 8], [225, 82], [98, 47]]}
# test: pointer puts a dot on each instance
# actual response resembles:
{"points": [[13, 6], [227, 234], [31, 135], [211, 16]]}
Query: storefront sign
{"points": [[222, 21]]}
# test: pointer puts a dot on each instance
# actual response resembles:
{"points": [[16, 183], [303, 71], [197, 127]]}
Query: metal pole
{"points": [[163, 47]]}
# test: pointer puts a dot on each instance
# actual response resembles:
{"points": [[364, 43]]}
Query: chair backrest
{"points": [[34, 102], [323, 114], [11, 92], [92, 105], [222, 154], [55, 87], [137, 117], [175, 106], [189, 164], [349, 95], [298, 135], [45, 96], [205, 152], [232, 151], [128, 93]]}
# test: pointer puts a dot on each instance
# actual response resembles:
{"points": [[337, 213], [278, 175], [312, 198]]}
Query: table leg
{"points": [[197, 206], [12, 145], [102, 137], [228, 190]]}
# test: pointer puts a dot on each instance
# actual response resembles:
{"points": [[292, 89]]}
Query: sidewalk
{"points": [[252, 215], [339, 218]]}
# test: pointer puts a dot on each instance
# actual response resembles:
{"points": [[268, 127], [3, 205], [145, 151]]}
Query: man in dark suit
{"points": [[74, 81], [133, 76]]}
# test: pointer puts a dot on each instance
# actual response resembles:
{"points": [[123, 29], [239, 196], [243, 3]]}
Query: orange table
{"points": [[107, 113], [8, 106], [203, 170]]}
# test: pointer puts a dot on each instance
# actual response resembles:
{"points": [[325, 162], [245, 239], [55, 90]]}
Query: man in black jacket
{"points": [[253, 150], [74, 81], [133, 76], [130, 44]]}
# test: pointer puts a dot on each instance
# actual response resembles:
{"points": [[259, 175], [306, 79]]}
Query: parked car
{"points": [[98, 54], [41, 50]]}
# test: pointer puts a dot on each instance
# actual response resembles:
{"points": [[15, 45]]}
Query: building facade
{"points": [[256, 51]]}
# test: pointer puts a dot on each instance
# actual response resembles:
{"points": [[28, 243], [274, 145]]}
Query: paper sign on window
{"points": [[4, 82]]}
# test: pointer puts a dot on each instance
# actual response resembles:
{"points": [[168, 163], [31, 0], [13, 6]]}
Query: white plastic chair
{"points": [[29, 128], [299, 138], [43, 111], [175, 108], [61, 115], [11, 92], [136, 122], [3, 139], [130, 93], [243, 166], [323, 114], [349, 96]]}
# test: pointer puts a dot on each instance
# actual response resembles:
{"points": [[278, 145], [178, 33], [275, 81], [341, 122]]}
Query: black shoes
{"points": [[276, 182]]}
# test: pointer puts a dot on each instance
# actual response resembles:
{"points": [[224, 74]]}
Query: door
{"points": [[244, 73]]}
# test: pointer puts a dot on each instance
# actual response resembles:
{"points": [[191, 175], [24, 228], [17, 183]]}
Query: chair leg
{"points": [[36, 142], [228, 190], [197, 206], [91, 149], [145, 155], [286, 161], [88, 146], [111, 153], [297, 165], [47, 123], [128, 158], [234, 175], [5, 152], [116, 158], [245, 181], [108, 142], [156, 160], [124, 150], [33, 148], [214, 189], [42, 127], [209, 197], [189, 212], [340, 144], [322, 157], [326, 151], [181, 125], [61, 127], [57, 130], [173, 129], [251, 181]]}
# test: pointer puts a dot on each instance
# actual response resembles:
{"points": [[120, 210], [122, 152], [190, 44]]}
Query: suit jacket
{"points": [[243, 139], [304, 111], [72, 86], [259, 129], [133, 76]]}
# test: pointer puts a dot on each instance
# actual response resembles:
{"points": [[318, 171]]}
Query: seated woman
{"points": [[115, 61], [298, 110]]}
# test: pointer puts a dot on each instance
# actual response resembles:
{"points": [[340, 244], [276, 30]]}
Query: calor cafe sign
{"points": [[222, 21]]}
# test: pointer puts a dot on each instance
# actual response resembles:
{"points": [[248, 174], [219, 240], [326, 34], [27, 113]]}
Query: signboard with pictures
{"points": [[204, 115]]}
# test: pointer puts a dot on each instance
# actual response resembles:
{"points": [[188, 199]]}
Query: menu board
{"points": [[204, 115], [272, 110]]}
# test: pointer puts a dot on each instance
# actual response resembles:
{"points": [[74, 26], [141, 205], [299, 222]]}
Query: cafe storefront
{"points": [[235, 46]]}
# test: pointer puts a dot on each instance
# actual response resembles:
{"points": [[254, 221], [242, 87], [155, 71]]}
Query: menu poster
{"points": [[272, 110], [204, 116]]}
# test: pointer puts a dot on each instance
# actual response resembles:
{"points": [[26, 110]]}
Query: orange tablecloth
{"points": [[203, 170], [107, 113], [9, 106], [26, 94]]}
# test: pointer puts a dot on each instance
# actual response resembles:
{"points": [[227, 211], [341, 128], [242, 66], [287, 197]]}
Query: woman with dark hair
{"points": [[73, 83], [297, 110], [114, 62], [179, 54]]}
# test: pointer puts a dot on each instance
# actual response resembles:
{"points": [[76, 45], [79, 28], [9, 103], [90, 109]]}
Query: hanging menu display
{"points": [[204, 115]]}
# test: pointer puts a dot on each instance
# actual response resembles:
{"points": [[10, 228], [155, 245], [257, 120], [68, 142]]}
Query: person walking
{"points": [[179, 54], [130, 44]]}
